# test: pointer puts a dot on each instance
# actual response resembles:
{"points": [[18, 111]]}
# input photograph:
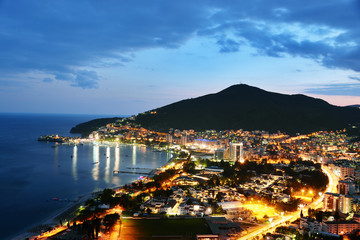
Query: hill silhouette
{"points": [[87, 127], [355, 106], [250, 108]]}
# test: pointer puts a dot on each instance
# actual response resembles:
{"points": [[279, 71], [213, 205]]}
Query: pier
{"points": [[142, 173]]}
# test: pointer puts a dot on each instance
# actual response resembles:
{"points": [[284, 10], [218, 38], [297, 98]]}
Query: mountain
{"points": [[355, 106], [87, 127], [250, 108]]}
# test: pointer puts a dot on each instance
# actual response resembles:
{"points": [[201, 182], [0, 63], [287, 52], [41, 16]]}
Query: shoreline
{"points": [[52, 220]]}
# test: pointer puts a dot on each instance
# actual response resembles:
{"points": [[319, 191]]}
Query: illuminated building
{"points": [[345, 203], [213, 170], [219, 154], [342, 227], [236, 152], [331, 201], [357, 175], [346, 187], [346, 172], [184, 139], [207, 237], [334, 201], [169, 138]]}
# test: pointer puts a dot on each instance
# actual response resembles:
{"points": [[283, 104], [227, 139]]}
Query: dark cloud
{"points": [[228, 45], [71, 39]]}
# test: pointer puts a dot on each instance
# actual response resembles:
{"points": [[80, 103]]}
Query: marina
{"points": [[35, 172]]}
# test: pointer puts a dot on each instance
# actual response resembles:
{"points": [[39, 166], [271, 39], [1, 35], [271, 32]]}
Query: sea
{"points": [[38, 179]]}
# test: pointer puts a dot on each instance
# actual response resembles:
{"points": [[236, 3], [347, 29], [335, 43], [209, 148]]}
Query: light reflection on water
{"points": [[32, 173], [96, 162], [117, 158], [134, 155], [107, 168], [74, 171], [74, 163]]}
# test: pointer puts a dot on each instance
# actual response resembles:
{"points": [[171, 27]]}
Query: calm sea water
{"points": [[33, 172]]}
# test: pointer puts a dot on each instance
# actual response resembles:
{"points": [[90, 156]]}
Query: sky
{"points": [[126, 57]]}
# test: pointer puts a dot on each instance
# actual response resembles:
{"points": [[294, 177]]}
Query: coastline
{"points": [[54, 219]]}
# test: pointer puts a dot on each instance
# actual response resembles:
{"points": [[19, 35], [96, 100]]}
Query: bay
{"points": [[33, 173]]}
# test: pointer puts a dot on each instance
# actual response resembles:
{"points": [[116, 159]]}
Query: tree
{"points": [[110, 220], [183, 154], [189, 167], [319, 216], [107, 196], [97, 225], [85, 214], [218, 197]]}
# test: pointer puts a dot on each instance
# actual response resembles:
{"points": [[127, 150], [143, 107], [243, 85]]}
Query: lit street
{"points": [[333, 180]]}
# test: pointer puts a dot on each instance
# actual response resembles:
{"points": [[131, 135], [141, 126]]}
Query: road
{"points": [[333, 181]]}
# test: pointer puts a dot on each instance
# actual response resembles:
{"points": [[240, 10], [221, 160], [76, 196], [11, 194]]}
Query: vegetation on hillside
{"points": [[245, 107], [87, 127]]}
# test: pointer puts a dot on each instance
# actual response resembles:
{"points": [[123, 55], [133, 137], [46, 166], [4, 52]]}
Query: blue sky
{"points": [[126, 57]]}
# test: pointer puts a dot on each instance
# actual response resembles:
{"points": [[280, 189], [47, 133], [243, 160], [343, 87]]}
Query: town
{"points": [[232, 184]]}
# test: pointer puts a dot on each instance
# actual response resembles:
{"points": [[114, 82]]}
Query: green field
{"points": [[149, 228]]}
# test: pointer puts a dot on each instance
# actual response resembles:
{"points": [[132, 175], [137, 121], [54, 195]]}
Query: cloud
{"points": [[354, 78], [85, 79], [228, 45], [71, 40], [336, 89], [48, 80]]}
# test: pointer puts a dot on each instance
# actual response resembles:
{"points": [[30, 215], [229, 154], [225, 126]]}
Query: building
{"points": [[341, 227], [219, 154], [184, 139], [207, 237], [346, 172], [346, 187], [357, 175], [213, 170], [169, 138], [331, 201], [236, 152], [310, 225], [334, 201], [345, 203]]}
